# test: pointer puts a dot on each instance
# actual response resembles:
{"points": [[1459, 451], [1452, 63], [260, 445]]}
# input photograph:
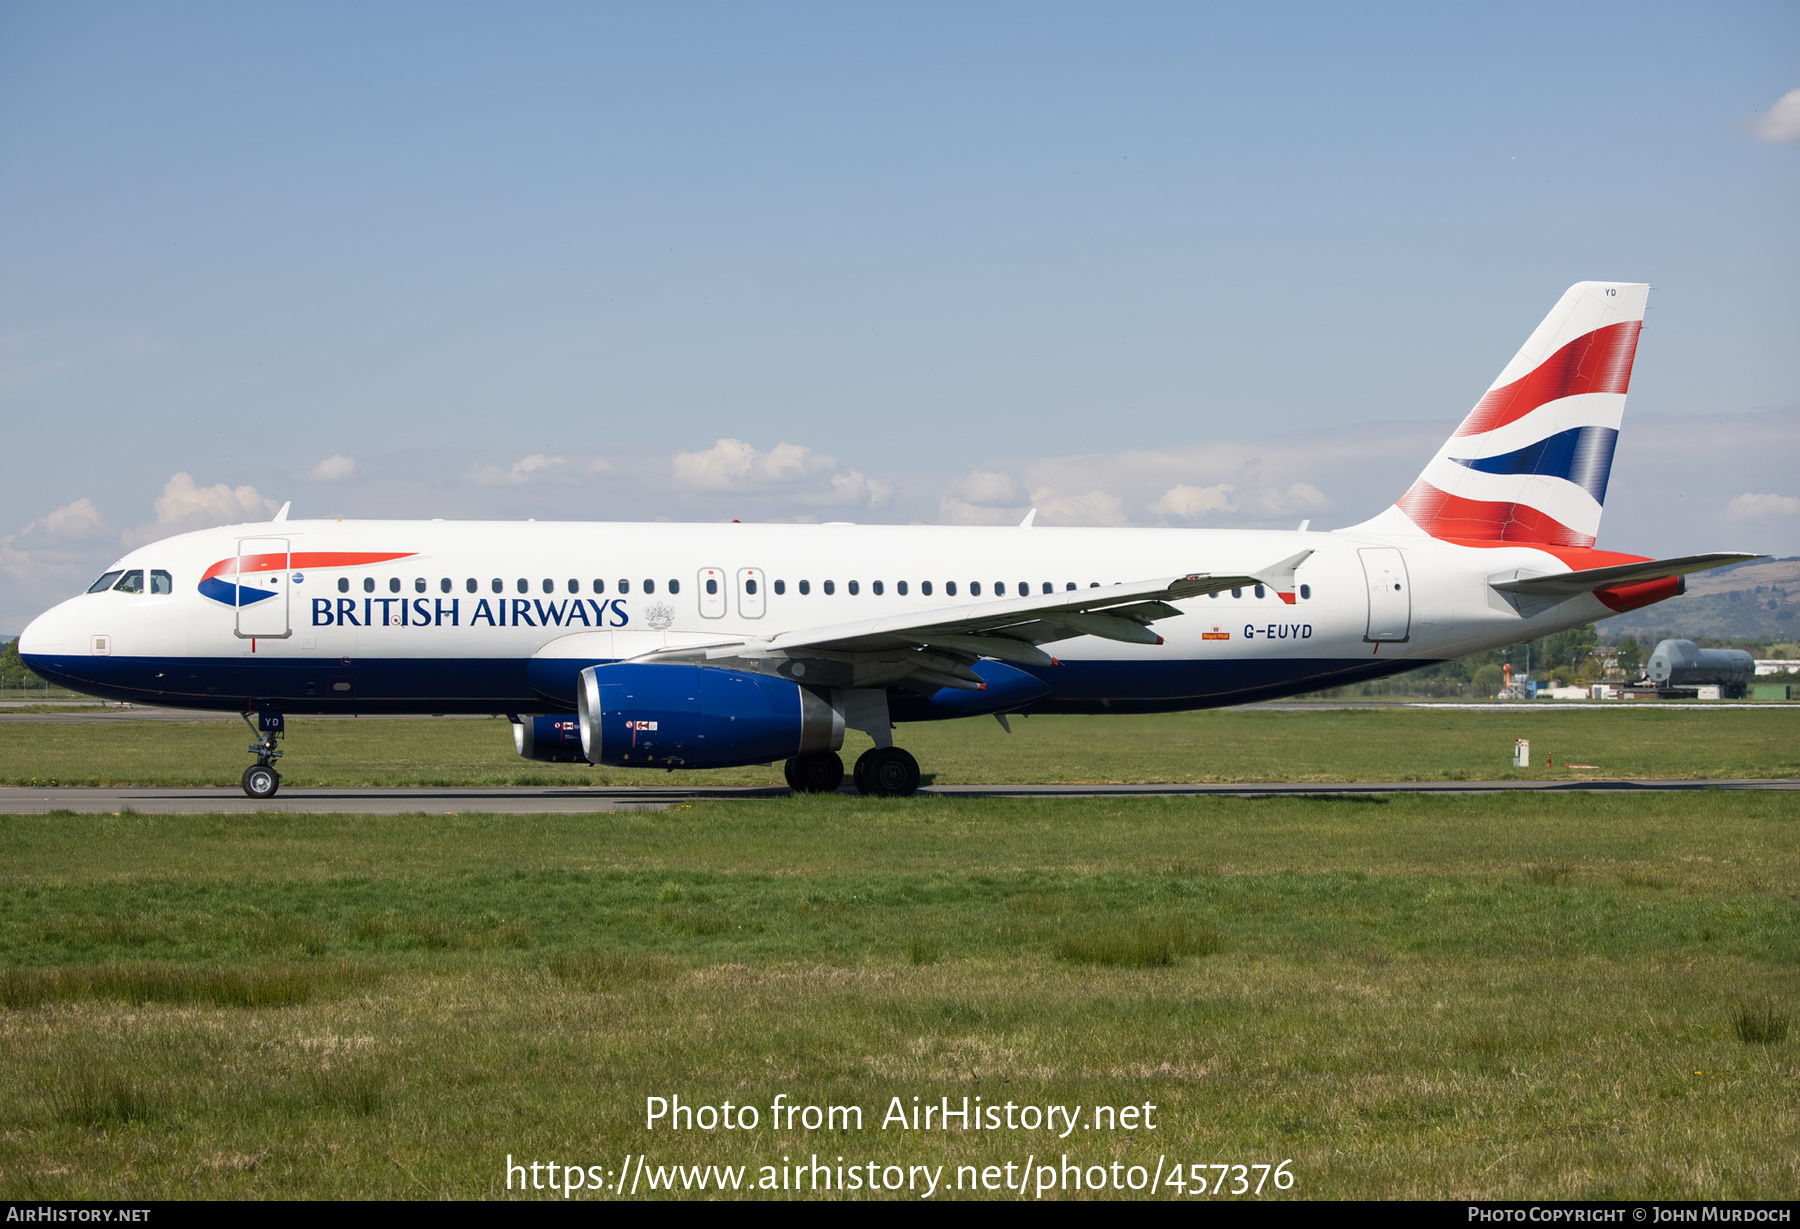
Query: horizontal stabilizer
{"points": [[1570, 584]]}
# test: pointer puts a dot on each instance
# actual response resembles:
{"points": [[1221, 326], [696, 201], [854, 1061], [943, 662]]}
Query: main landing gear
{"points": [[884, 772], [260, 779]]}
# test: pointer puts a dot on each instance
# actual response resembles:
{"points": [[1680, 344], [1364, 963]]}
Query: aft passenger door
{"points": [[262, 588], [1390, 593]]}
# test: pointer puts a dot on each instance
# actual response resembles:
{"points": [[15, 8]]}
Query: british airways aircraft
{"points": [[701, 646]]}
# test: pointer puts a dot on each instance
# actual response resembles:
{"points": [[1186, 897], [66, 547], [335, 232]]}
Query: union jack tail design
{"points": [[1530, 462]]}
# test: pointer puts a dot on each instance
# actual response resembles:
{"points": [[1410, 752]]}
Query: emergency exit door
{"points": [[1390, 593], [261, 587]]}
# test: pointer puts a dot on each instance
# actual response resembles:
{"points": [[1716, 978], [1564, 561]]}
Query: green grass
{"points": [[1461, 997], [1358, 745]]}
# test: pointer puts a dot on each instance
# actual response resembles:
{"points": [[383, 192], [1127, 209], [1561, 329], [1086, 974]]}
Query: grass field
{"points": [[1400, 744], [1545, 996]]}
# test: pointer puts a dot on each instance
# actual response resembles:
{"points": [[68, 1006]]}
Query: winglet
{"points": [[1029, 517], [282, 515], [1280, 576]]}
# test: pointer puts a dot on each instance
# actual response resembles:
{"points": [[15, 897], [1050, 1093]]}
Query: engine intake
{"points": [[682, 716]]}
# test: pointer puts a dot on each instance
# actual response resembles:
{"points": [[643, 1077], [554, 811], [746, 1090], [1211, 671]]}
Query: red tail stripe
{"points": [[1596, 362], [276, 562], [1443, 515]]}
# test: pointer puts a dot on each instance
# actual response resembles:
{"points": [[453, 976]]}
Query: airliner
{"points": [[671, 646]]}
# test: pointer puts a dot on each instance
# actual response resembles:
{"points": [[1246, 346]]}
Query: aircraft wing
{"points": [[1569, 584], [935, 648]]}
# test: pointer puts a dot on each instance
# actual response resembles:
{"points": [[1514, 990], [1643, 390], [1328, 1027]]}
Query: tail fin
{"points": [[1530, 462]]}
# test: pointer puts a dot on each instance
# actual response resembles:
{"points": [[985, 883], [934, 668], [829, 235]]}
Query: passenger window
{"points": [[674, 586], [368, 584], [104, 583], [1305, 592], [524, 585], [925, 587], [830, 587], [805, 587], [1048, 587], [712, 587], [472, 586], [549, 585], [624, 586], [649, 586], [599, 586], [343, 584], [749, 586], [1259, 591], [131, 582], [854, 588], [780, 587], [900, 588], [1237, 593], [499, 586], [1069, 586], [950, 588], [974, 588], [876, 586], [161, 582], [444, 585], [419, 585], [1214, 594], [393, 584], [574, 586], [999, 588]]}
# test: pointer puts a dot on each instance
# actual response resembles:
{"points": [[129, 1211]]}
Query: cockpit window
{"points": [[131, 582], [161, 582], [104, 583]]}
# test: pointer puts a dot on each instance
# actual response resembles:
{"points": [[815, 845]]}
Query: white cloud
{"points": [[536, 468], [1751, 507], [733, 465], [333, 468], [1190, 501], [53, 553], [989, 490], [794, 470], [184, 505], [1093, 508], [77, 522], [1781, 122]]}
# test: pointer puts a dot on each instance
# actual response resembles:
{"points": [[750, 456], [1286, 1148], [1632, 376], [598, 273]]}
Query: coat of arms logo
{"points": [[660, 616]]}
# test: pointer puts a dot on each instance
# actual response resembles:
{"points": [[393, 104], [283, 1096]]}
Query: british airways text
{"points": [[449, 612]]}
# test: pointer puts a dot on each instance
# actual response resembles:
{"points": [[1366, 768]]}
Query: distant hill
{"points": [[1750, 601]]}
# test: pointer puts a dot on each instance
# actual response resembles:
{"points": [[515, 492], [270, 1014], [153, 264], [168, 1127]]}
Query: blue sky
{"points": [[912, 263]]}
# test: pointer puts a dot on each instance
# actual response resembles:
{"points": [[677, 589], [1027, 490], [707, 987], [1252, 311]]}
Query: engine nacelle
{"points": [[681, 716], [551, 740]]}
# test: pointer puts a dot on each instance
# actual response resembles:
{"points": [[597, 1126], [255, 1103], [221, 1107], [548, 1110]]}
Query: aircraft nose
{"points": [[43, 634]]}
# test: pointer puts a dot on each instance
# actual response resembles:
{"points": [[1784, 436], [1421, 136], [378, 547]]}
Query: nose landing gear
{"points": [[260, 779]]}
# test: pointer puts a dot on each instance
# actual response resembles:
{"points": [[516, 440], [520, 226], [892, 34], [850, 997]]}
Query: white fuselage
{"points": [[448, 615]]}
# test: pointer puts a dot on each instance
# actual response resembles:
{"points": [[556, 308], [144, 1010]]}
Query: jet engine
{"points": [[551, 740], [682, 716]]}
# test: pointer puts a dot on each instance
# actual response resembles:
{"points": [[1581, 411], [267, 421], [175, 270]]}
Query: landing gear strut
{"points": [[260, 779], [887, 772], [818, 772]]}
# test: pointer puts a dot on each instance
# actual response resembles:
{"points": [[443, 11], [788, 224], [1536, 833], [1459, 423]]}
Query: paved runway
{"points": [[527, 800]]}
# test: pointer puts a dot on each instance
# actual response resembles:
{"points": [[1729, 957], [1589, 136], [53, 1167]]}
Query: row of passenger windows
{"points": [[132, 581], [446, 585], [853, 587]]}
